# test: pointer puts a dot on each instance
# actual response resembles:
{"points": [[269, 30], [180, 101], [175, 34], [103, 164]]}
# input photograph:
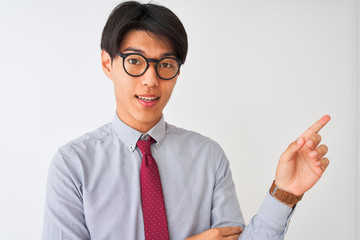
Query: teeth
{"points": [[147, 99]]}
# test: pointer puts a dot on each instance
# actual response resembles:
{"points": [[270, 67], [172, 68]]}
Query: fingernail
{"points": [[309, 143], [299, 141]]}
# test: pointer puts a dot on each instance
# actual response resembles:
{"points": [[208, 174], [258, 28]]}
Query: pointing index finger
{"points": [[316, 127]]}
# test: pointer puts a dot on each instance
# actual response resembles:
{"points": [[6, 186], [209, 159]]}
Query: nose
{"points": [[150, 77]]}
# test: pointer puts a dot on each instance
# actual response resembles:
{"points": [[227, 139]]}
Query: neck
{"points": [[140, 126]]}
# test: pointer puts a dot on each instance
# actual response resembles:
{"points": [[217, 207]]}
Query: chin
{"points": [[149, 118]]}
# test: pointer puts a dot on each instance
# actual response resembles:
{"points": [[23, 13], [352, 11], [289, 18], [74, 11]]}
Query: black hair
{"points": [[156, 19]]}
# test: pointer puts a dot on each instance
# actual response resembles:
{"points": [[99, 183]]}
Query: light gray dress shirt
{"points": [[93, 188]]}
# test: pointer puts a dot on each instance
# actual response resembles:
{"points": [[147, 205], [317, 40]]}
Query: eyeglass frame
{"points": [[148, 60]]}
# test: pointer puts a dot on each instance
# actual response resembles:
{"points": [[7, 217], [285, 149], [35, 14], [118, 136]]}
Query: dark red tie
{"points": [[153, 205]]}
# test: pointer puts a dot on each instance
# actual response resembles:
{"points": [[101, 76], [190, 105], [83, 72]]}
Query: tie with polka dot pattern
{"points": [[155, 222]]}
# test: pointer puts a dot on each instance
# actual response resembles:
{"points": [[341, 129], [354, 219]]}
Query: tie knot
{"points": [[145, 146]]}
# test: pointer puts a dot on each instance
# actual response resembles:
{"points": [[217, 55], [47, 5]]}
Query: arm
{"points": [[299, 168], [269, 223], [64, 213]]}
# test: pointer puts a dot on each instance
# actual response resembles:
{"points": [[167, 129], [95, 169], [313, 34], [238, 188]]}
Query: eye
{"points": [[134, 61], [166, 65]]}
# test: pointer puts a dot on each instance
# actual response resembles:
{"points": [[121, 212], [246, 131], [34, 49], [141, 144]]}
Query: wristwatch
{"points": [[283, 196]]}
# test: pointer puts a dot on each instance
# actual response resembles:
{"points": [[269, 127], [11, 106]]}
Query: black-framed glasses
{"points": [[136, 65]]}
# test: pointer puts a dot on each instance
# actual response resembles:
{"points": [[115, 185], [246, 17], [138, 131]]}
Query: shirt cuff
{"points": [[275, 213]]}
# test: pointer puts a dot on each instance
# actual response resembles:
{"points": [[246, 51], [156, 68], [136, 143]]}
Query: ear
{"points": [[106, 64]]}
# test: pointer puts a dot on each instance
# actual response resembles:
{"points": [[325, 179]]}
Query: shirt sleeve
{"points": [[270, 222], [64, 214], [225, 209]]}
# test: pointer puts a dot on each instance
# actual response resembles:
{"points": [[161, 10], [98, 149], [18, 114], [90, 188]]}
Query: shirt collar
{"points": [[158, 132], [130, 136]]}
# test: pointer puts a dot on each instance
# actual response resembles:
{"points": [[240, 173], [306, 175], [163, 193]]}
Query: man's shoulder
{"points": [[175, 130], [88, 139], [192, 137]]}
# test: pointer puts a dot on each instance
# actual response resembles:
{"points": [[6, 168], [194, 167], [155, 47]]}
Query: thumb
{"points": [[293, 148]]}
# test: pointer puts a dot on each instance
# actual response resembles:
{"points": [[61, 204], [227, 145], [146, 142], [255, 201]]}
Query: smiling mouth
{"points": [[148, 99]]}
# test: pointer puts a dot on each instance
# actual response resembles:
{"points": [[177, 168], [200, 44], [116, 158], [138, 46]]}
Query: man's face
{"points": [[140, 100]]}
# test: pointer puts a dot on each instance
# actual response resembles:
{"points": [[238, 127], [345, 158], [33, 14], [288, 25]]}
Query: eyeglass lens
{"points": [[136, 65]]}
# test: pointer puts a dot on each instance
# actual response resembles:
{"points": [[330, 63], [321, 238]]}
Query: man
{"points": [[141, 178]]}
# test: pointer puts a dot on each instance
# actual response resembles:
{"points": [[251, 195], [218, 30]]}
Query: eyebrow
{"points": [[136, 50]]}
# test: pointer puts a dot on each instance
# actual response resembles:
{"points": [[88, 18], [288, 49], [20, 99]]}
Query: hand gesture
{"points": [[303, 162]]}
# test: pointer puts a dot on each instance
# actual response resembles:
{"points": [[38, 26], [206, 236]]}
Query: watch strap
{"points": [[284, 196]]}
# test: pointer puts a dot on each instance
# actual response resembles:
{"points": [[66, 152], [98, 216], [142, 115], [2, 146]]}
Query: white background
{"points": [[258, 73]]}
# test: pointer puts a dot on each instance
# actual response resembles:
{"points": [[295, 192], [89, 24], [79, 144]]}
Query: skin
{"points": [[228, 233], [303, 162], [128, 89], [300, 166]]}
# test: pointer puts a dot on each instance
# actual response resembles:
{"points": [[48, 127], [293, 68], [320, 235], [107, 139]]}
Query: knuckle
{"points": [[319, 137], [316, 138], [325, 163], [324, 148]]}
